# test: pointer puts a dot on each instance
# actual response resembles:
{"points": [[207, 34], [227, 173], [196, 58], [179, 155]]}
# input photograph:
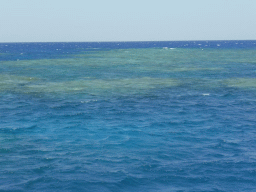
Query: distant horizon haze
{"points": [[115, 21]]}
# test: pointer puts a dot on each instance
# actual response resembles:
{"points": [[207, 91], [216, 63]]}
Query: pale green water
{"points": [[130, 71]]}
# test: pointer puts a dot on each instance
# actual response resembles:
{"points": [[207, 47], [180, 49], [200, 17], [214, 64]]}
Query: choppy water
{"points": [[128, 116]]}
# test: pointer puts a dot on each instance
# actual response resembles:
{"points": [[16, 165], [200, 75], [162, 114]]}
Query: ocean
{"points": [[128, 116]]}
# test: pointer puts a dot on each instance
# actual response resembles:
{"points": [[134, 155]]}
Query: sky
{"points": [[126, 20]]}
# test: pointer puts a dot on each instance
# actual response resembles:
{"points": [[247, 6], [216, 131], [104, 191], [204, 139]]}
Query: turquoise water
{"points": [[135, 116]]}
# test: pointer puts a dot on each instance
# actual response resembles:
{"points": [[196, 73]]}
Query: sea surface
{"points": [[128, 116]]}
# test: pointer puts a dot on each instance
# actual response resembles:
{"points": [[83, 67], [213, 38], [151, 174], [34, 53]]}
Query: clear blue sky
{"points": [[126, 20]]}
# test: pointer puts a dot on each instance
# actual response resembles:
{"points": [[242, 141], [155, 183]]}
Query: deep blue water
{"points": [[128, 116]]}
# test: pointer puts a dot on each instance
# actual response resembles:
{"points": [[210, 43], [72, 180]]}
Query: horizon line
{"points": [[118, 41]]}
